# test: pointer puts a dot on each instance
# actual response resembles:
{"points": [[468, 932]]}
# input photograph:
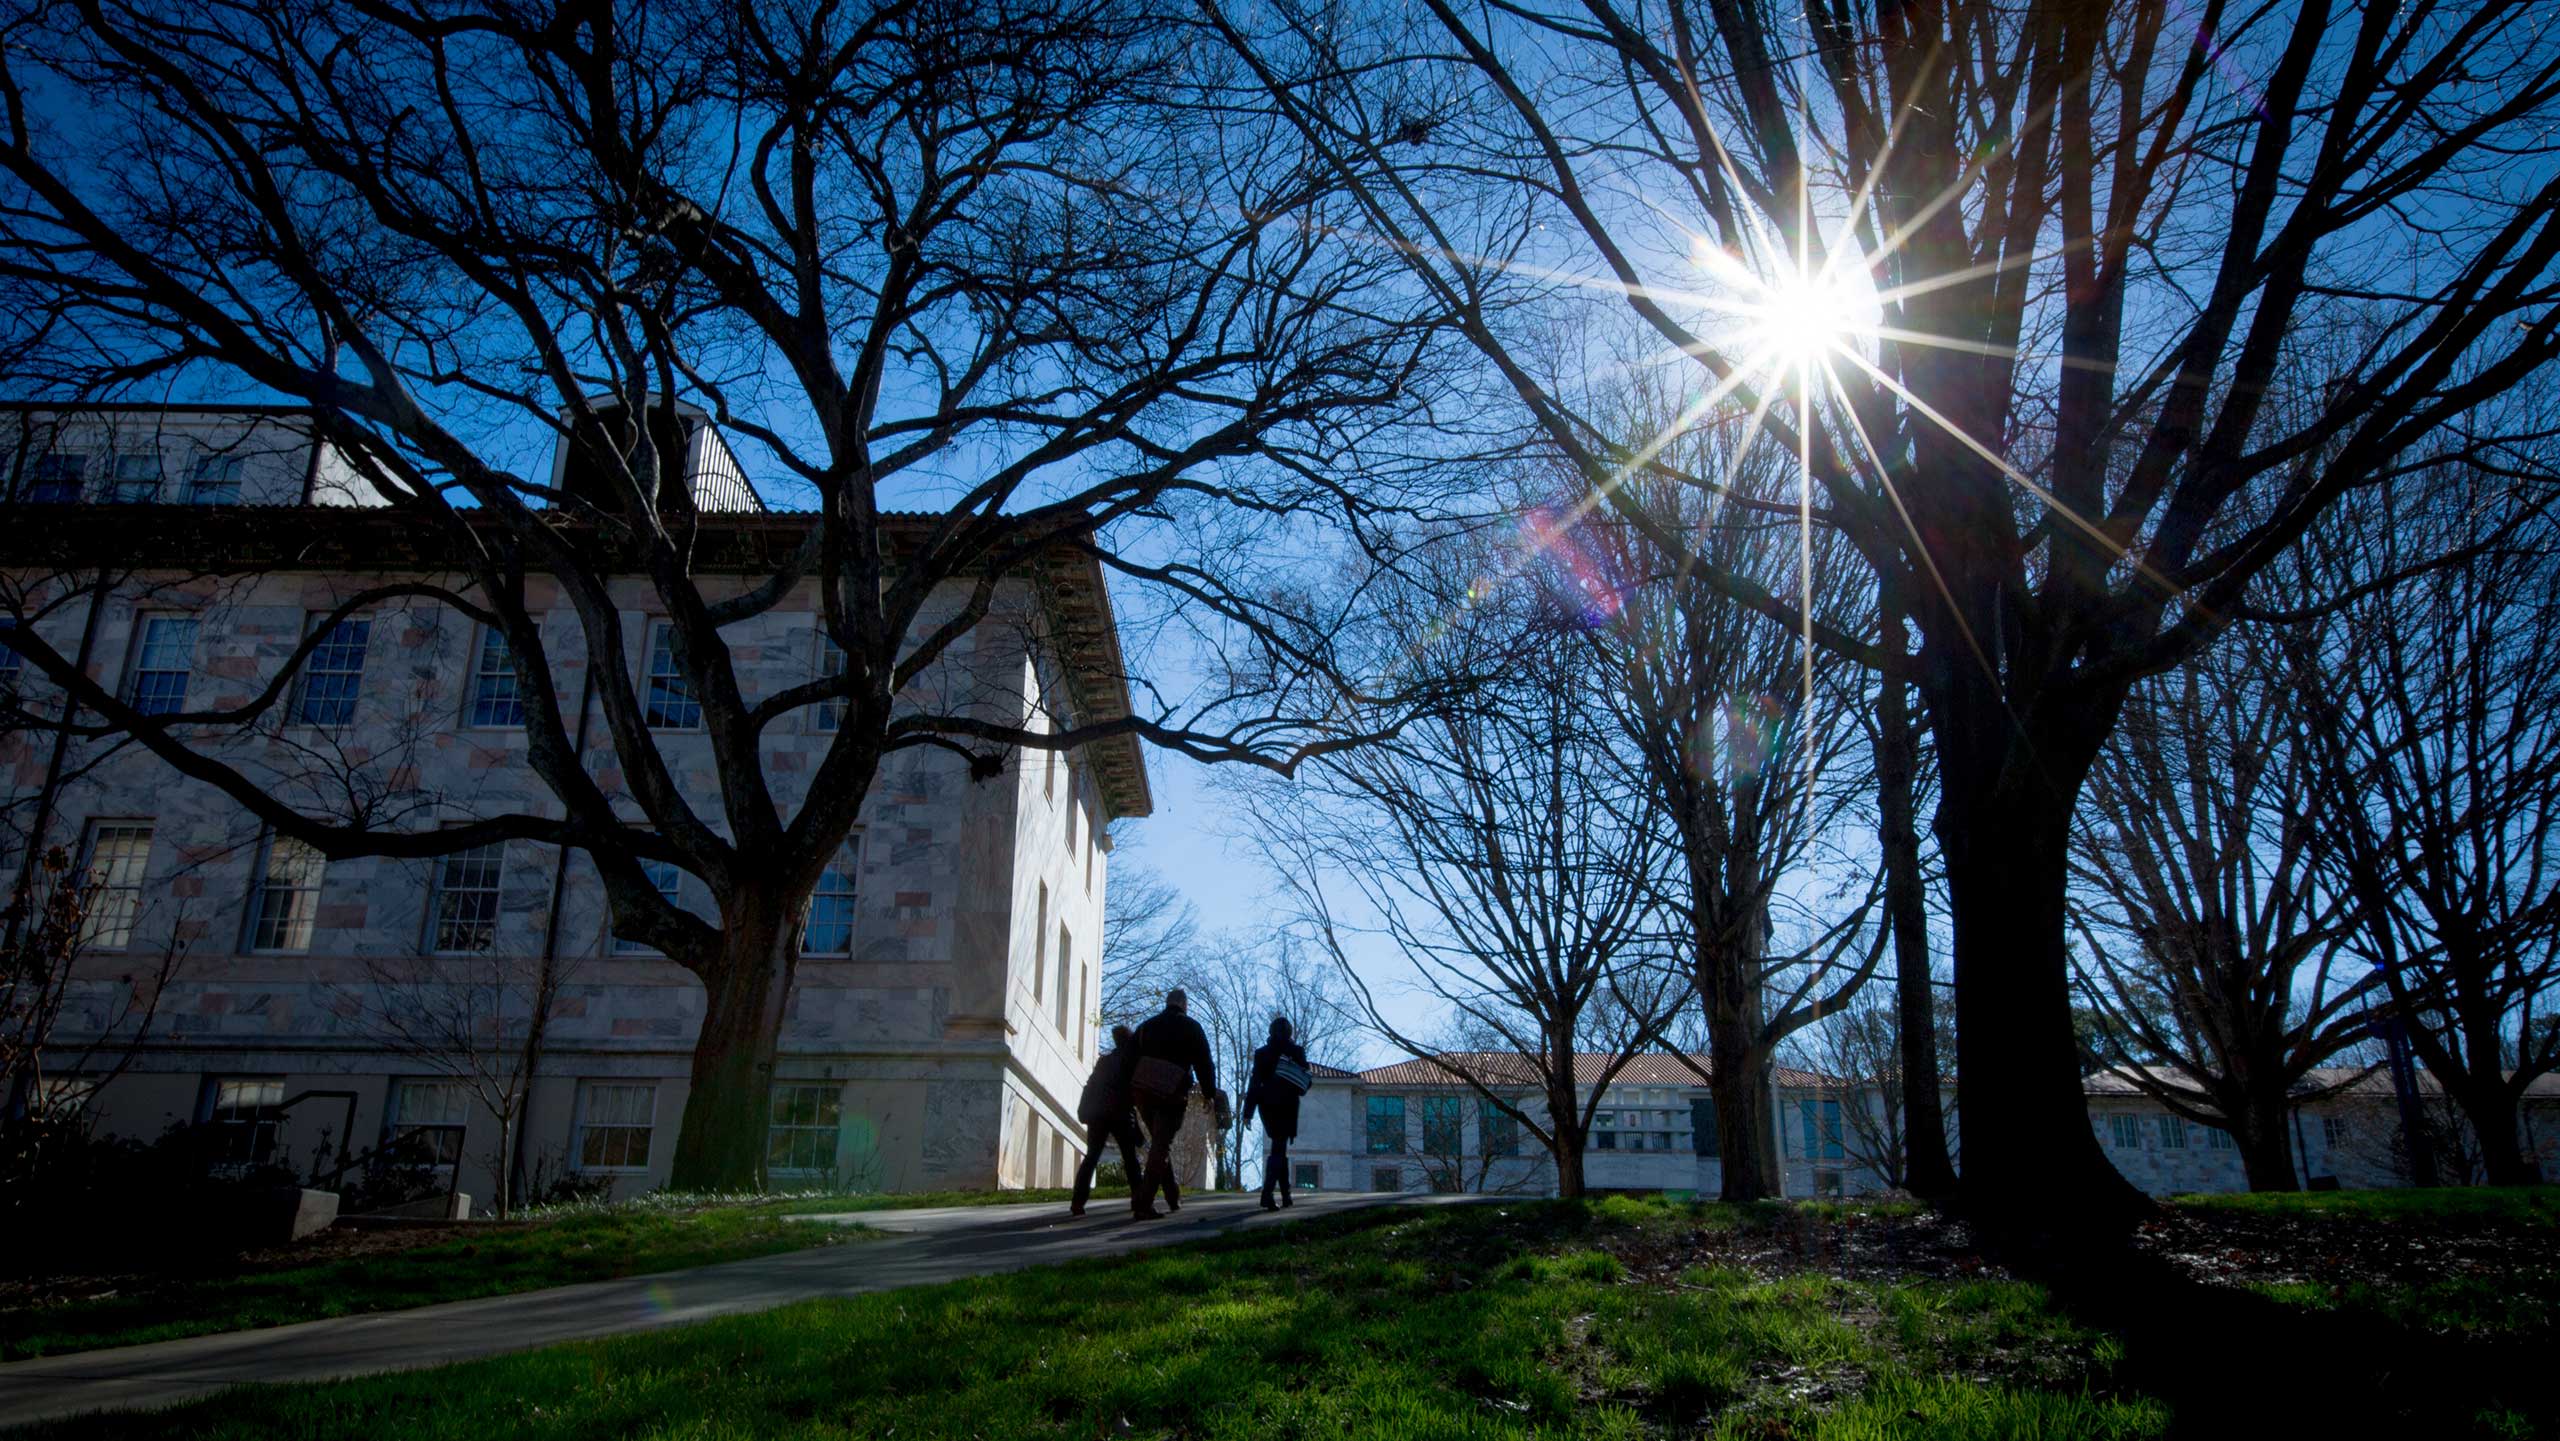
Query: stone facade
{"points": [[941, 1047]]}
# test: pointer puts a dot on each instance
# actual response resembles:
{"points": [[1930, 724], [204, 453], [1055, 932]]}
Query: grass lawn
{"points": [[344, 1273], [1616, 1319], [2535, 1207]]}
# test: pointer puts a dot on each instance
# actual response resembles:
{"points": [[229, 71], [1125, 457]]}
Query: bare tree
{"points": [[1019, 264], [49, 930], [1150, 934], [2071, 322], [1861, 1045], [1921, 1132], [1496, 847], [2437, 777], [2215, 944], [1754, 749], [1237, 984], [477, 1021]]}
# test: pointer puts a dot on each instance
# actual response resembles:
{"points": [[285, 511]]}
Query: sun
{"points": [[1799, 318]]}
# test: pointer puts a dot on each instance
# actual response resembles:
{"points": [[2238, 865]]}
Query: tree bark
{"points": [[721, 1146], [2018, 1083], [1928, 1171], [2266, 1151], [1564, 1123], [2493, 1115]]}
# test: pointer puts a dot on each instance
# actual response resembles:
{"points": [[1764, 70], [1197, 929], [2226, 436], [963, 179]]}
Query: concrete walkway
{"points": [[926, 1246]]}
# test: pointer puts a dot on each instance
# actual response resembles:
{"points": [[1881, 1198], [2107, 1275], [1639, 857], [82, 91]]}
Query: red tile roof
{"points": [[1652, 1068]]}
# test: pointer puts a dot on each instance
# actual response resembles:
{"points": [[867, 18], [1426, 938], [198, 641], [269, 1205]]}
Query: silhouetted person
{"points": [[1278, 1101], [1108, 1115], [1171, 1050]]}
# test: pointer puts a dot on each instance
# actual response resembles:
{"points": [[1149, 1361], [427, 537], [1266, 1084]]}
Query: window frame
{"points": [[224, 490], [848, 866], [45, 485], [1445, 1110], [1377, 1173], [2173, 1131], [117, 481], [262, 885], [396, 1123], [587, 1086], [1306, 1175], [673, 680], [1497, 1130], [2125, 1130], [440, 888], [1375, 1109], [91, 937], [481, 675], [138, 663], [826, 716], [264, 1116], [331, 648], [831, 1126]]}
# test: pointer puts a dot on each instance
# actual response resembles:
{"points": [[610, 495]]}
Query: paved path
{"points": [[939, 1244]]}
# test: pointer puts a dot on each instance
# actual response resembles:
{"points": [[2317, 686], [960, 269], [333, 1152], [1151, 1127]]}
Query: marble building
{"points": [[943, 1015]]}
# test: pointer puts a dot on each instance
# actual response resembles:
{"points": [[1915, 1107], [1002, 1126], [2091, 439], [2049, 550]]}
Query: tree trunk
{"points": [[721, 1145], [2030, 1155], [2266, 1151], [1738, 1079], [2493, 1114], [1927, 1169], [506, 1151]]}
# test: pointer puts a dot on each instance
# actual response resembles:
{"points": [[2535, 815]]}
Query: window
{"points": [[118, 855], [828, 714], [63, 1096], [56, 477], [1066, 947], [465, 906], [216, 480], [614, 1121], [1040, 945], [1305, 1175], [12, 665], [1084, 988], [1386, 1178], [1604, 1140], [671, 701], [2128, 1130], [2334, 1131], [246, 1112], [286, 898], [134, 479], [333, 675], [803, 1133], [1704, 1138], [1443, 1132], [669, 883], [164, 652], [829, 931], [434, 1116], [2217, 1138], [495, 700], [1075, 807], [1386, 1126], [1499, 1128], [1821, 1125], [2173, 1132]]}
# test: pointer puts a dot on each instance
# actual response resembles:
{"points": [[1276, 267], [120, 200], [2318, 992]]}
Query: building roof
{"points": [[2361, 1081], [236, 539], [1652, 1068]]}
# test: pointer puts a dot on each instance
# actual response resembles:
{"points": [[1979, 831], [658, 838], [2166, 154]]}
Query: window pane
{"points": [[137, 479], [1386, 1124], [494, 698], [830, 928], [828, 715], [216, 480], [804, 1127], [166, 654], [57, 476], [288, 896], [333, 675], [1442, 1132], [466, 913], [671, 703], [119, 855]]}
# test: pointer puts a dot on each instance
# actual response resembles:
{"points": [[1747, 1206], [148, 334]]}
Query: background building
{"points": [[943, 1016], [1415, 1126]]}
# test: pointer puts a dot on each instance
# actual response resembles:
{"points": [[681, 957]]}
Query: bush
{"points": [[106, 1202]]}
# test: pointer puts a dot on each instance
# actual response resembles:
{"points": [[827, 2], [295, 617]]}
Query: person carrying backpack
{"points": [[1171, 1049], [1280, 1078], [1108, 1115]]}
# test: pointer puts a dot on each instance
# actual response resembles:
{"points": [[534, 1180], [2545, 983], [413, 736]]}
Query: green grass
{"points": [[1496, 1321], [578, 1244], [2533, 1207]]}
